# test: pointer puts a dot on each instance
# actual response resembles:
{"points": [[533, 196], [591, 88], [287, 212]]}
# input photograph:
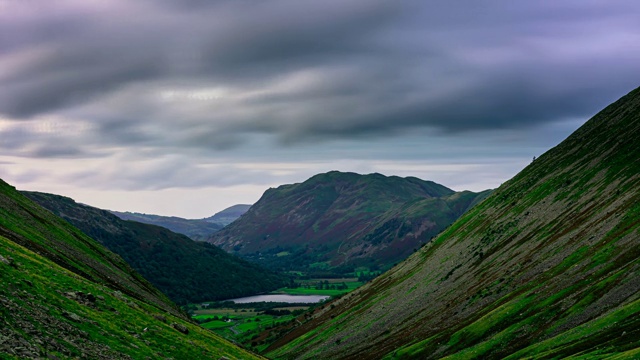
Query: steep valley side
{"points": [[547, 267]]}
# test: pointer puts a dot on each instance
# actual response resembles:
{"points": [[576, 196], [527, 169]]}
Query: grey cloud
{"points": [[373, 68], [34, 139], [172, 172], [58, 151], [26, 176], [14, 138], [289, 34]]}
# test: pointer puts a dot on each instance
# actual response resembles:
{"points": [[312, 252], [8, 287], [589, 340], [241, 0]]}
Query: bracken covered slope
{"points": [[65, 296], [547, 267], [346, 220], [185, 270]]}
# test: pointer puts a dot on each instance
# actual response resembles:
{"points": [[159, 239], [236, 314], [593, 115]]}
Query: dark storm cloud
{"points": [[302, 71]]}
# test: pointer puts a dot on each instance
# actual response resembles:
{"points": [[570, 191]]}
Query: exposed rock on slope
{"points": [[547, 267], [343, 220]]}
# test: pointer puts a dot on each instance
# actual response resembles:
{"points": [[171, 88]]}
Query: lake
{"points": [[293, 299]]}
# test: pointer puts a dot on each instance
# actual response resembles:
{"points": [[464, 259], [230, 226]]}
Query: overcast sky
{"points": [[184, 108]]}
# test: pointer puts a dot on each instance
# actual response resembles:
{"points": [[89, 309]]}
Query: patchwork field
{"points": [[246, 326], [257, 325]]}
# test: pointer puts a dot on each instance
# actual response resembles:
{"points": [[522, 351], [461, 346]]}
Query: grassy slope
{"points": [[546, 267], [37, 229], [185, 270], [48, 269], [344, 219]]}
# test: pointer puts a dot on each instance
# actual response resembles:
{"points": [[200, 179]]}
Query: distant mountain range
{"points": [[228, 215], [186, 270], [196, 229], [338, 222], [65, 296], [547, 267]]}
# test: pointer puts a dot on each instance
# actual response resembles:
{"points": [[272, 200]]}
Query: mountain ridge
{"points": [[228, 215], [343, 221], [196, 229], [545, 267], [186, 270]]}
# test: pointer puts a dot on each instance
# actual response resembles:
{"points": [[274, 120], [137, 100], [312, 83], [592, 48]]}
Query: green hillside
{"points": [[547, 267], [64, 296], [185, 270], [337, 222]]}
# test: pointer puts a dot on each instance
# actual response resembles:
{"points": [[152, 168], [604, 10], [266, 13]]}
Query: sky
{"points": [[183, 108]]}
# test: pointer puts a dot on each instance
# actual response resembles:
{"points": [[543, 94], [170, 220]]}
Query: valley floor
{"points": [[257, 325]]}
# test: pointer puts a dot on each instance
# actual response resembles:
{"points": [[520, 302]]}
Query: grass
{"points": [[616, 324], [217, 324], [35, 289], [243, 326], [562, 238], [249, 326], [47, 271]]}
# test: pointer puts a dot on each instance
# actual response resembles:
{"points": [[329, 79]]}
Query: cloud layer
{"points": [[191, 79], [316, 70]]}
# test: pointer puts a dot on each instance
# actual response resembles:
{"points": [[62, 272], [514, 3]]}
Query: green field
{"points": [[250, 326], [217, 324], [329, 287], [241, 327]]}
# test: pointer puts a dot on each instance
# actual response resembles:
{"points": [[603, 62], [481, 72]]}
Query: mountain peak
{"points": [[339, 219], [547, 266]]}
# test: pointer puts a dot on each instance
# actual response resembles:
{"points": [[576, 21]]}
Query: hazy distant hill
{"points": [[196, 229], [547, 267], [65, 296], [185, 270], [228, 215], [338, 221]]}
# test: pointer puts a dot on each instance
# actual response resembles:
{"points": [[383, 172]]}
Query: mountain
{"points": [[547, 267], [65, 296], [186, 270], [228, 215], [196, 229], [339, 221]]}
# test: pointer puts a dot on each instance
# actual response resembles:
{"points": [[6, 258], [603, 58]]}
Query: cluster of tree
{"points": [[299, 260], [368, 276], [257, 306], [296, 260], [185, 270], [189, 271], [274, 312], [320, 285]]}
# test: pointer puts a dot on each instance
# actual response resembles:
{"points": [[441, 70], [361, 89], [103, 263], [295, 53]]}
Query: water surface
{"points": [[293, 299]]}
